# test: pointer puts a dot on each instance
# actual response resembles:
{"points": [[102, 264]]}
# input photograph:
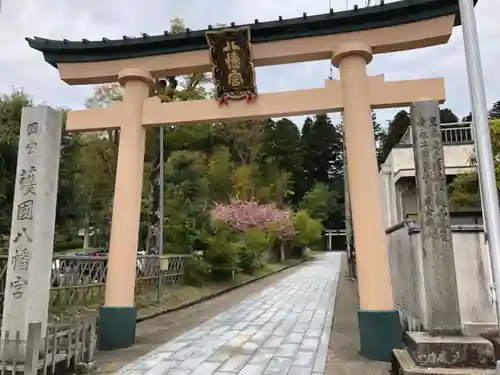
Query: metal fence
{"points": [[451, 133], [70, 345], [81, 279]]}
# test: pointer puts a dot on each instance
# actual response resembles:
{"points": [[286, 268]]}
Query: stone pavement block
{"points": [[229, 335], [304, 359], [178, 346], [313, 333], [300, 328], [260, 337], [309, 344], [320, 359], [152, 361], [183, 354], [250, 331], [178, 372], [262, 357], [287, 350], [134, 372], [221, 355], [249, 347], [300, 371], [294, 338], [278, 366], [238, 340], [235, 363], [269, 326], [273, 342], [251, 370], [192, 362], [219, 330], [206, 368], [162, 368], [240, 326]]}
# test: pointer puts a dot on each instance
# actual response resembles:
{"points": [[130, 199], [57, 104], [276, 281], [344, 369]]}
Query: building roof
{"points": [[383, 15]]}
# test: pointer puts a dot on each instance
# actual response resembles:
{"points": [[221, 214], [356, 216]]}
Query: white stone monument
{"points": [[27, 289]]}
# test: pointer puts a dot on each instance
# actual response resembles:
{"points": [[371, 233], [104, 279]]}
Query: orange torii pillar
{"points": [[379, 324]]}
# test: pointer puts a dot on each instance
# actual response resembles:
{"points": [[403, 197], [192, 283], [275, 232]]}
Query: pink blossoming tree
{"points": [[246, 215]]}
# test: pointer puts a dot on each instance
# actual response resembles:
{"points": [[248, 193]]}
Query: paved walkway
{"points": [[283, 330]]}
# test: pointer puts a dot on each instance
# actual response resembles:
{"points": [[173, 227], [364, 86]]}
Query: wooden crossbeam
{"points": [[289, 103]]}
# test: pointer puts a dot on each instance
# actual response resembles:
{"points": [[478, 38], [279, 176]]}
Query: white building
{"points": [[397, 175]]}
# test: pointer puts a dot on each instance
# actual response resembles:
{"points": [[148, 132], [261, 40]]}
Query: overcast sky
{"points": [[22, 67]]}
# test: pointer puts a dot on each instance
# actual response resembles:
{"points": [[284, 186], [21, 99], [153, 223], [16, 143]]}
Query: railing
{"points": [[451, 133], [457, 133], [68, 344], [78, 280]]}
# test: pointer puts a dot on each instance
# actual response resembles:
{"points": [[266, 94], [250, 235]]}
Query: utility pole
{"points": [[161, 213], [486, 169]]}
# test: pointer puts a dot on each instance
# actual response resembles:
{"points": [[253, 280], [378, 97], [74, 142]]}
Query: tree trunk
{"points": [[282, 251]]}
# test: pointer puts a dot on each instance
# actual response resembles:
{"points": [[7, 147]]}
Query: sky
{"points": [[22, 67]]}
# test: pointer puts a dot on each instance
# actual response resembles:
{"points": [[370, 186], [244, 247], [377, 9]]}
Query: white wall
{"points": [[456, 160], [473, 272]]}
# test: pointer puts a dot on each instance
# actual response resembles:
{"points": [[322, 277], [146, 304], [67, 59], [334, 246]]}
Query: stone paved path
{"points": [[283, 330]]}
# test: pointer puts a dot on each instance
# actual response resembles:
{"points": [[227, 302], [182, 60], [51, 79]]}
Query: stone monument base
{"points": [[403, 364], [495, 340], [428, 354], [427, 350]]}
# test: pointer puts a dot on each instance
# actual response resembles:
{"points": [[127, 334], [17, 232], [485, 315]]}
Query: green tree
{"points": [[322, 153], [11, 106], [465, 187], [220, 170], [318, 202], [395, 131], [186, 202], [446, 116], [281, 158], [380, 136], [494, 112]]}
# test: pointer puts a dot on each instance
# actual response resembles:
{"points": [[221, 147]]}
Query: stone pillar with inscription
{"points": [[443, 345], [435, 228], [27, 288]]}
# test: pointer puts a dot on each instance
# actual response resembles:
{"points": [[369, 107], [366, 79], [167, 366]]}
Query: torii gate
{"points": [[349, 39]]}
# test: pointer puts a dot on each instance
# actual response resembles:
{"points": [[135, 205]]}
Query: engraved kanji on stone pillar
{"points": [[438, 259], [27, 287]]}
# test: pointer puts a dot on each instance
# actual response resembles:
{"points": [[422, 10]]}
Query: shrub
{"points": [[69, 245], [256, 244], [222, 255], [196, 271], [307, 230]]}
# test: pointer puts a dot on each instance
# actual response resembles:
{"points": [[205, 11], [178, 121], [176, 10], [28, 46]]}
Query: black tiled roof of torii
{"points": [[383, 15]]}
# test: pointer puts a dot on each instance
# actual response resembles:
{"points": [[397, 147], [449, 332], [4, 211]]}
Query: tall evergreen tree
{"points": [[446, 116], [281, 148], [494, 112], [467, 118], [322, 152], [395, 131], [380, 135]]}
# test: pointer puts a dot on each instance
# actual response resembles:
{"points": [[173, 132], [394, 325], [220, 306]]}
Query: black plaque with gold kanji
{"points": [[232, 64]]}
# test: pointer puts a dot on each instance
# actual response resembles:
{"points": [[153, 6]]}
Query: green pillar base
{"points": [[379, 333], [116, 327]]}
